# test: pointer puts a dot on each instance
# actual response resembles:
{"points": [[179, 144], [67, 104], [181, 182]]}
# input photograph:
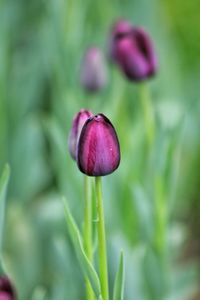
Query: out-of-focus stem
{"points": [[160, 215], [148, 112], [87, 234], [103, 269], [160, 236], [160, 204], [1, 266]]}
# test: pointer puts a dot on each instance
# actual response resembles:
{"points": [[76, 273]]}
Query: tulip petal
{"points": [[131, 61], [146, 46], [120, 29], [5, 296], [77, 124]]}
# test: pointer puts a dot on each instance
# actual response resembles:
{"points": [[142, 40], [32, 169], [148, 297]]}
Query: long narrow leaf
{"points": [[119, 281], [3, 187], [87, 268]]}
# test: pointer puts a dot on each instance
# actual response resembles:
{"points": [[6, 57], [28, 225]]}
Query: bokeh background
{"points": [[41, 45]]}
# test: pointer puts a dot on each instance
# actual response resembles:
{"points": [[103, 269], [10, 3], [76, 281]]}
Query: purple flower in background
{"points": [[5, 296], [93, 72], [77, 124], [98, 152], [135, 55], [7, 291], [119, 30]]}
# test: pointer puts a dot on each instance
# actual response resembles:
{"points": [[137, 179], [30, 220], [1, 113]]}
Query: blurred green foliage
{"points": [[41, 44]]}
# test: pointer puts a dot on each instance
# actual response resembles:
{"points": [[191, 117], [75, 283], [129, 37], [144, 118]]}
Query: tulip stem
{"points": [[87, 231], [1, 266], [103, 268], [161, 219], [148, 111]]}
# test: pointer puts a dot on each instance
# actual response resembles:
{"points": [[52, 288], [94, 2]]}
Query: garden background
{"points": [[41, 46]]}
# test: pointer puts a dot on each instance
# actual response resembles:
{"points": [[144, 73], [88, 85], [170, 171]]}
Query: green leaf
{"points": [[87, 268], [119, 281], [3, 188]]}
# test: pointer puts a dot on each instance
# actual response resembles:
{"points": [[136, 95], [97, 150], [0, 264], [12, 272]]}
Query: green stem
{"points": [[160, 240], [103, 269], [87, 234], [160, 215], [148, 112], [1, 264], [2, 220]]}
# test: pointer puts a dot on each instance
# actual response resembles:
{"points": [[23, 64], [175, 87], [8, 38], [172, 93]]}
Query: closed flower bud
{"points": [[77, 124], [98, 152], [7, 291], [136, 56], [119, 30], [93, 73]]}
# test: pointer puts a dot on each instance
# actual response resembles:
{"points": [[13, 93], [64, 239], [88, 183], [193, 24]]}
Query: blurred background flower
{"points": [[134, 53], [41, 49], [93, 70], [7, 291]]}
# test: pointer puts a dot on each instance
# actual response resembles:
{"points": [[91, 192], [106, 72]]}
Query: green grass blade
{"points": [[3, 188], [87, 268], [119, 281]]}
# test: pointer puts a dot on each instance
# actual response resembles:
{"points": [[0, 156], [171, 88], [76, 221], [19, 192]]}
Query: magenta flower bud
{"points": [[120, 29], [98, 152], [77, 124], [136, 56], [7, 291], [93, 73]]}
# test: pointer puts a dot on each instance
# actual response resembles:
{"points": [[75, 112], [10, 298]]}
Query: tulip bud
{"points": [[119, 30], [98, 152], [135, 55], [7, 291], [93, 73], [77, 124]]}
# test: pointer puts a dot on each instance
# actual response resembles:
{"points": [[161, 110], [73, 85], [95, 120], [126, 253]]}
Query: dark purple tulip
{"points": [[98, 151], [5, 296], [93, 73], [77, 124], [136, 56], [119, 30], [7, 291]]}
